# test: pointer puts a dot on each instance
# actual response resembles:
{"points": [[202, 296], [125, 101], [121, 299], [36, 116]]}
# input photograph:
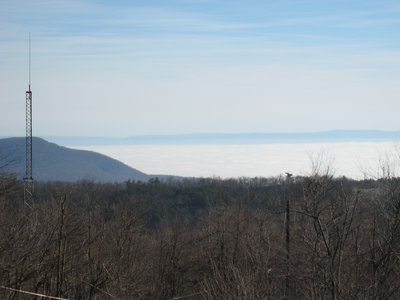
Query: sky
{"points": [[122, 68]]}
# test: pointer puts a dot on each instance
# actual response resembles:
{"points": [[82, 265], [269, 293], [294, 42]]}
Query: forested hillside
{"points": [[55, 163], [203, 239]]}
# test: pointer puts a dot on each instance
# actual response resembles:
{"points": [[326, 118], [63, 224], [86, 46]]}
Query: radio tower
{"points": [[28, 179]]}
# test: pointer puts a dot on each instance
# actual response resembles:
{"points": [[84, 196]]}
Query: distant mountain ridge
{"points": [[226, 138], [56, 163]]}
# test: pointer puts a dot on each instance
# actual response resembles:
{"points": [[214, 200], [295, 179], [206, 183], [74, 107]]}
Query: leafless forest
{"points": [[203, 239]]}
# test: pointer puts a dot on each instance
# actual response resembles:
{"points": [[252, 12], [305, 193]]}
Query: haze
{"points": [[121, 68]]}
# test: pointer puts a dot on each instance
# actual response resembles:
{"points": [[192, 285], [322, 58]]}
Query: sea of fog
{"points": [[351, 159]]}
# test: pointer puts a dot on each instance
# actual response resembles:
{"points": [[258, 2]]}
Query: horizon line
{"points": [[217, 133]]}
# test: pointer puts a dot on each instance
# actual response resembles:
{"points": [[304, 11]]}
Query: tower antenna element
{"points": [[29, 61], [28, 179]]}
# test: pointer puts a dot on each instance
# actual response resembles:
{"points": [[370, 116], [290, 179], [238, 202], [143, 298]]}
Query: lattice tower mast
{"points": [[28, 179]]}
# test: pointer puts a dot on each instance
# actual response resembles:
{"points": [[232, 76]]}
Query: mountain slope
{"points": [[55, 163]]}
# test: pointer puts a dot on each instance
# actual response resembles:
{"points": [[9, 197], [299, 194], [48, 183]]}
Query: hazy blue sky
{"points": [[120, 68]]}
